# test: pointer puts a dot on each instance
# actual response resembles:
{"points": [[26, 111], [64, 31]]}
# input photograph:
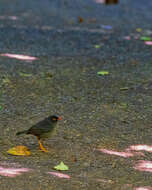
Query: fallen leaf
{"points": [[24, 74], [145, 38], [97, 46], [123, 105], [107, 2], [61, 167], [48, 75], [138, 29], [19, 151], [102, 72], [80, 19], [60, 175], [124, 88], [6, 80]]}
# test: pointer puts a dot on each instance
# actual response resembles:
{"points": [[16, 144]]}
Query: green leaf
{"points": [[123, 105], [6, 80], [24, 74], [61, 167], [145, 38], [124, 88], [138, 29], [97, 46], [103, 73]]}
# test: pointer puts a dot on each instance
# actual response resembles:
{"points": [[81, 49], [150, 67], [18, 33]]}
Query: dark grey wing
{"points": [[41, 127]]}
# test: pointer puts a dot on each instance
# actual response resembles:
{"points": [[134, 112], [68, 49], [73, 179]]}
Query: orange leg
{"points": [[41, 146]]}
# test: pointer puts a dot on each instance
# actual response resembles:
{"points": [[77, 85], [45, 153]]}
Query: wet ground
{"points": [[105, 132]]}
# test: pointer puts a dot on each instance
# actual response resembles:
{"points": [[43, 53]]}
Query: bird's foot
{"points": [[41, 147], [44, 150]]}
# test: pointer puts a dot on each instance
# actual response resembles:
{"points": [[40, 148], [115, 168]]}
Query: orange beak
{"points": [[59, 118]]}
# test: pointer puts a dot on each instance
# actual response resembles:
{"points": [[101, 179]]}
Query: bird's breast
{"points": [[48, 134]]}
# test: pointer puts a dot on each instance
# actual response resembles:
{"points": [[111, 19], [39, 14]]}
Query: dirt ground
{"points": [[104, 136]]}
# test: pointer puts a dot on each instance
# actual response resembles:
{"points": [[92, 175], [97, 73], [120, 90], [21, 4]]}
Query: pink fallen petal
{"points": [[140, 147], [60, 175], [127, 38], [9, 17], [148, 43], [21, 57], [12, 17], [143, 188], [12, 172], [122, 154], [143, 165], [99, 1]]}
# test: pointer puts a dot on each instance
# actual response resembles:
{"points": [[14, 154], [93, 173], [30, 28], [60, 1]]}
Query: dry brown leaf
{"points": [[80, 19]]}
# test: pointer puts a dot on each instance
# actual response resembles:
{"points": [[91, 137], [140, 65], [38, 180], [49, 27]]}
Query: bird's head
{"points": [[54, 118]]}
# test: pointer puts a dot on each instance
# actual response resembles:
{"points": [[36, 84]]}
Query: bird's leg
{"points": [[41, 146]]}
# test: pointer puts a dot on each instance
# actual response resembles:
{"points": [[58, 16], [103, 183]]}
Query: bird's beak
{"points": [[59, 118]]}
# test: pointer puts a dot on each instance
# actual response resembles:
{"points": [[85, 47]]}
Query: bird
{"points": [[43, 129]]}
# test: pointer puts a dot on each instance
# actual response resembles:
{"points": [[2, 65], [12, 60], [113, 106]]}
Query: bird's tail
{"points": [[21, 132]]}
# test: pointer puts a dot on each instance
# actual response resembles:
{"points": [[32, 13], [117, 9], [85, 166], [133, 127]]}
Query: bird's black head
{"points": [[54, 118]]}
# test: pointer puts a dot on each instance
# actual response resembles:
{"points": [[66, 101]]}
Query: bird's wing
{"points": [[40, 127]]}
